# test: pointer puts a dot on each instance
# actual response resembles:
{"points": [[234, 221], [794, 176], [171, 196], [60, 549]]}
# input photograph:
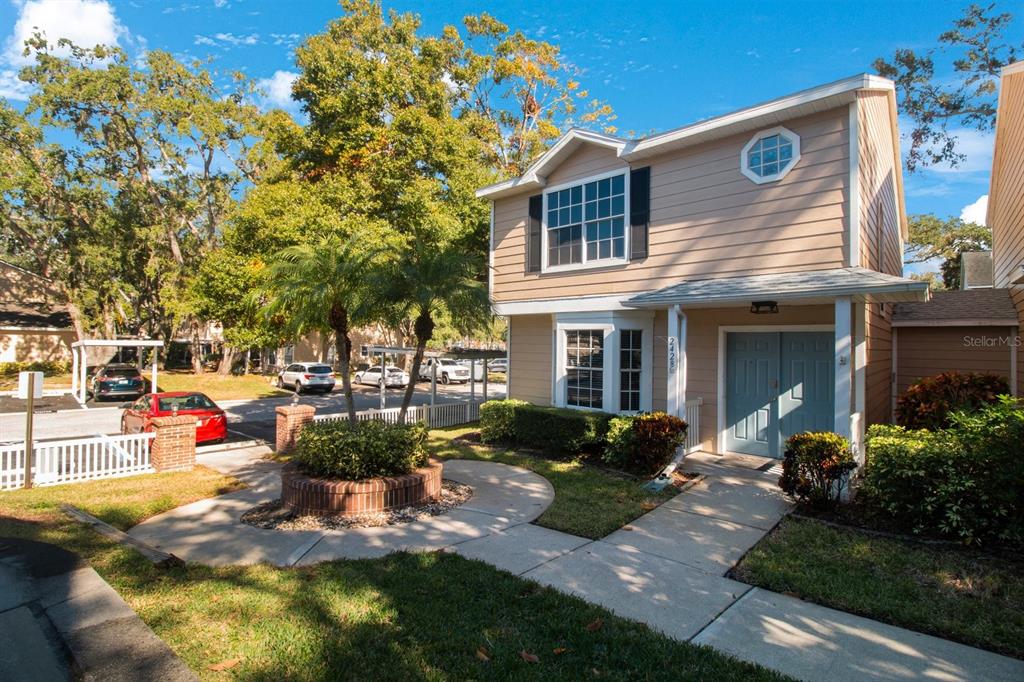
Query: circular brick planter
{"points": [[308, 495]]}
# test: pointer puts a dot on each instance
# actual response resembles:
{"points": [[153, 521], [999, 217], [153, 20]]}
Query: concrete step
{"points": [[27, 654]]}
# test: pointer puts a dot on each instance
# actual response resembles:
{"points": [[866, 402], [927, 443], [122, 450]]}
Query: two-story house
{"points": [[740, 271]]}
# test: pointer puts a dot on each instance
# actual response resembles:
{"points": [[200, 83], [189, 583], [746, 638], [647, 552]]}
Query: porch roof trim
{"points": [[806, 287]]}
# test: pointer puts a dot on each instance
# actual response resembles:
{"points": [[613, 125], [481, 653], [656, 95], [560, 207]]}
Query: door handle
{"points": [[774, 383]]}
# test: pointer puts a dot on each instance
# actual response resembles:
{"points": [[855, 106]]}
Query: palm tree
{"points": [[427, 280], [320, 288]]}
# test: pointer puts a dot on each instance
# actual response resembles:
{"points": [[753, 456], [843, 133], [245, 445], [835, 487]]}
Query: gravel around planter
{"points": [[274, 515]]}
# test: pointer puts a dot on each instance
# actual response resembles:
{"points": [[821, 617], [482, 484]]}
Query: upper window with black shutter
{"points": [[585, 223]]}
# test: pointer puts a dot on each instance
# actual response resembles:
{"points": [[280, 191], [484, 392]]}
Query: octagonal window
{"points": [[770, 155]]}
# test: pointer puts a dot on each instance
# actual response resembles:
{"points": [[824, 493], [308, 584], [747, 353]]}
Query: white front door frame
{"points": [[723, 330]]}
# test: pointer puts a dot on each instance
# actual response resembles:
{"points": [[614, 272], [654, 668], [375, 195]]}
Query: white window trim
{"points": [[610, 323], [604, 262], [759, 179]]}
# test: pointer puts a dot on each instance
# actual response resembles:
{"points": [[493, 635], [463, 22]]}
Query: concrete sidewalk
{"points": [[666, 569], [60, 620]]}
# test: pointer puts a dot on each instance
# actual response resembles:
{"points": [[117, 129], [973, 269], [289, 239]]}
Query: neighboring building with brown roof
{"points": [[34, 321], [966, 330]]}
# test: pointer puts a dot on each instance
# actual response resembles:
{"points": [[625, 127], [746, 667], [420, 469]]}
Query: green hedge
{"points": [[47, 367], [640, 444], [497, 421], [368, 449], [643, 444], [559, 431], [965, 482]]}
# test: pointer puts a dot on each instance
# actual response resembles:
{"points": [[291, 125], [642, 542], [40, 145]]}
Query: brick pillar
{"points": [[290, 420], [174, 448]]}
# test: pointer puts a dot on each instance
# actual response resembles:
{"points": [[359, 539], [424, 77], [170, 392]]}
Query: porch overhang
{"points": [[804, 288]]}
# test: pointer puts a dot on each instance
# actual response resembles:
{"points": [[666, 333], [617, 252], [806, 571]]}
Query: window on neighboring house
{"points": [[289, 354], [586, 223], [584, 368], [630, 352], [770, 155]]}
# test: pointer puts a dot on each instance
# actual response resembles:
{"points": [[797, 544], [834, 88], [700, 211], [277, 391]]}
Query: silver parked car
{"points": [[500, 366], [307, 376], [395, 378]]}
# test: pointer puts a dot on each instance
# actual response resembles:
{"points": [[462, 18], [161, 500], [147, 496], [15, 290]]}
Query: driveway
{"points": [[252, 417]]}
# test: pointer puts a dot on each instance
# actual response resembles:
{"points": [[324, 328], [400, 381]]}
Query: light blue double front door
{"points": [[777, 384]]}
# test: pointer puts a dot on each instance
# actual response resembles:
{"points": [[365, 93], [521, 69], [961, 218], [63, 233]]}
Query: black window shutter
{"points": [[639, 211], [533, 252]]}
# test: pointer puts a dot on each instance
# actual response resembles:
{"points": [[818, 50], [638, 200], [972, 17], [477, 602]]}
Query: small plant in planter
{"points": [[816, 468], [354, 452], [355, 468]]}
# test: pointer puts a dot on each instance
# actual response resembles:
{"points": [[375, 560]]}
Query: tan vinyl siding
{"points": [[28, 345], [881, 246], [1006, 197], [702, 352], [529, 357], [659, 368], [927, 351], [707, 219]]}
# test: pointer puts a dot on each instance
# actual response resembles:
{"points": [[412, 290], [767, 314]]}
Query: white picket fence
{"points": [[435, 416], [692, 418], [78, 459]]}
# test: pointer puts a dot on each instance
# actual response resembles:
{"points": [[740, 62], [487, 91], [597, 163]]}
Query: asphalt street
{"points": [[248, 417]]}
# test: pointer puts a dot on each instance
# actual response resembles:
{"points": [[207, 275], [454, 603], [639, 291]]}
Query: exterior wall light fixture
{"points": [[764, 307]]}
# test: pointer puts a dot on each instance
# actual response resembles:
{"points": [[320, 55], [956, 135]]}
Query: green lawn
{"points": [[218, 387], [940, 590], [589, 501], [404, 617]]}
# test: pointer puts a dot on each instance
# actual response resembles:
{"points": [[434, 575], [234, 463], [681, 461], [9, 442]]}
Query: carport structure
{"points": [[461, 354], [79, 361]]}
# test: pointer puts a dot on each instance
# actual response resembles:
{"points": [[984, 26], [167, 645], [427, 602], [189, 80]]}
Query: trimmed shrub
{"points": [[368, 449], [643, 444], [965, 482], [497, 420], [816, 467], [559, 431], [928, 403], [47, 367]]}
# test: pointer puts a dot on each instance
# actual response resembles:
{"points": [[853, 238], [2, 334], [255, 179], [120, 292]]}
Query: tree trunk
{"points": [[343, 349], [424, 330], [227, 360], [197, 348]]}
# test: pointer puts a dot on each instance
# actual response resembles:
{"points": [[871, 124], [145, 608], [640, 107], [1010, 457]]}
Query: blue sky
{"points": [[659, 64]]}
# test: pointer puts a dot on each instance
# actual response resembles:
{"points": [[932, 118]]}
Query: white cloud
{"points": [[227, 40], [85, 22], [13, 88], [975, 212], [278, 89]]}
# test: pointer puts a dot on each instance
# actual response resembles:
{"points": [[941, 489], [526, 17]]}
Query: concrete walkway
{"points": [[666, 569], [59, 620]]}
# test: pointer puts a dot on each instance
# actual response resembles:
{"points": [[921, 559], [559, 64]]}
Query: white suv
{"points": [[448, 370], [307, 376]]}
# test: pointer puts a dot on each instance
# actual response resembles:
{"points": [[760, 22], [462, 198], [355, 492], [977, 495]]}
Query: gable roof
{"points": [[812, 286], [766, 114], [971, 307]]}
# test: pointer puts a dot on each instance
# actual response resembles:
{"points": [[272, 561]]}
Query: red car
{"points": [[211, 422]]}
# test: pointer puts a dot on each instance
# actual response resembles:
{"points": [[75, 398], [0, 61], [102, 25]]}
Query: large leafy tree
{"points": [[932, 238], [975, 49], [120, 177], [403, 128]]}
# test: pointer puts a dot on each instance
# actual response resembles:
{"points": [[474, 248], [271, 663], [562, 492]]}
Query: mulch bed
{"points": [[274, 516]]}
